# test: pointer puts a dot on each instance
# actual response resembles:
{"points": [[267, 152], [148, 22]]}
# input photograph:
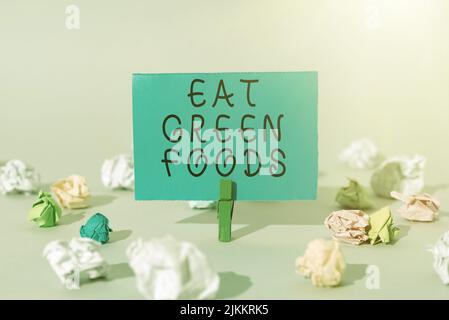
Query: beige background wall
{"points": [[383, 70]]}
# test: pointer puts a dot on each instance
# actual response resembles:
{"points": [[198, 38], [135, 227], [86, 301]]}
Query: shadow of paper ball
{"points": [[101, 200], [115, 236], [443, 213], [71, 218], [119, 271], [403, 232], [354, 272], [232, 285], [116, 271]]}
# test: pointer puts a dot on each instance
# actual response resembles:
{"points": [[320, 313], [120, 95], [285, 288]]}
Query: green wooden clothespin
{"points": [[224, 210]]}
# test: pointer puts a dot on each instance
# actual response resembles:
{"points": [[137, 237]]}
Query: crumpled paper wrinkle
{"points": [[45, 211], [440, 253], [353, 196], [75, 261], [16, 176], [72, 192], [322, 262], [167, 269], [118, 172], [402, 174], [382, 228], [417, 208], [96, 228], [361, 154], [350, 226]]}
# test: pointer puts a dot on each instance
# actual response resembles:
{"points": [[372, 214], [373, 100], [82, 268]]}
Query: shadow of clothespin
{"points": [[225, 209]]}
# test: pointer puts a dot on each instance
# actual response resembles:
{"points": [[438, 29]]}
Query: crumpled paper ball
{"points": [[382, 228], [322, 262], [349, 226], [361, 154], [16, 176], [440, 253], [202, 204], [72, 192], [402, 174], [118, 172], [45, 211], [167, 269], [96, 228], [417, 208], [75, 261], [354, 196]]}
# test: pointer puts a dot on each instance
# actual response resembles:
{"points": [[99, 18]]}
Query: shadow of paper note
{"points": [[71, 218], [232, 285], [353, 273], [115, 236], [101, 200], [119, 271], [256, 215]]}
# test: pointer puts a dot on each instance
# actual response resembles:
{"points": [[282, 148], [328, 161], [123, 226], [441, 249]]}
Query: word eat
{"points": [[197, 100]]}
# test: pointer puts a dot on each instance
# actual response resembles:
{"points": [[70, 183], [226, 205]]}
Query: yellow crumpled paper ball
{"points": [[322, 262], [72, 192]]}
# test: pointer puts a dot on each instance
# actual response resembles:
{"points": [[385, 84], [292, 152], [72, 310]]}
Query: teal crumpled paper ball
{"points": [[96, 228]]}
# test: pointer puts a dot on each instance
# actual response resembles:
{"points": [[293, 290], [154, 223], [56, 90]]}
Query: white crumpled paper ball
{"points": [[16, 176], [441, 257], [118, 172], [361, 154], [72, 261], [402, 174], [202, 204], [167, 269]]}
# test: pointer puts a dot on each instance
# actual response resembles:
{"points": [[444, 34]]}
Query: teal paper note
{"points": [[172, 112]]}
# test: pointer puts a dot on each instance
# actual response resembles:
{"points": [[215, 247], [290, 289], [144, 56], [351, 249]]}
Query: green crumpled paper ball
{"points": [[387, 179], [382, 228], [45, 211], [96, 228], [354, 196]]}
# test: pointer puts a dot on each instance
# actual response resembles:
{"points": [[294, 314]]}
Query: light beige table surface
{"points": [[66, 105], [257, 264]]}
